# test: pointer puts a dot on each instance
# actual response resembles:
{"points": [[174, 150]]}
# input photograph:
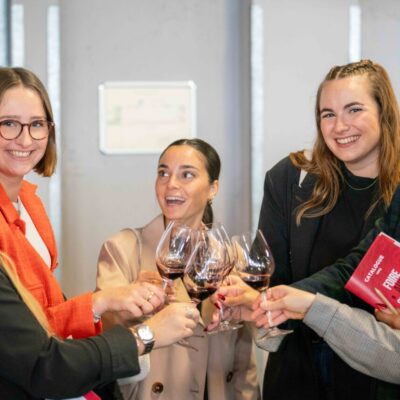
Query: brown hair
{"points": [[326, 166], [14, 77], [213, 167], [9, 267]]}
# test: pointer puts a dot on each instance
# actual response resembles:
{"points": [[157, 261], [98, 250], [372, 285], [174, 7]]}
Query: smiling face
{"points": [[349, 122], [19, 156], [182, 186]]}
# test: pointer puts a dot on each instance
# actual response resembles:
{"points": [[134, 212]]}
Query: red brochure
{"points": [[378, 273]]}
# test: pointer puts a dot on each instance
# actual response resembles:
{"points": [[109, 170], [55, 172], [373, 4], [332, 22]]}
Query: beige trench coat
{"points": [[177, 372]]}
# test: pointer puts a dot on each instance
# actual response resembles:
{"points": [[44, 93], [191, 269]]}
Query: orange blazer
{"points": [[67, 317]]}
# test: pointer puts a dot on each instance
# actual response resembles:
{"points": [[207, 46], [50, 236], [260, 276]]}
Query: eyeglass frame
{"points": [[50, 124]]}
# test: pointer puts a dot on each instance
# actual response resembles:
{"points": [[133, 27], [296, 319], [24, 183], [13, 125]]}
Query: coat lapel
{"points": [[301, 237]]}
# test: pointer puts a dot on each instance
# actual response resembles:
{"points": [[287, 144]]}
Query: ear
{"points": [[213, 189]]}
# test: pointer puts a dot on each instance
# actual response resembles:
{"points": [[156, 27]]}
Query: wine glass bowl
{"points": [[255, 265], [206, 266], [173, 251]]}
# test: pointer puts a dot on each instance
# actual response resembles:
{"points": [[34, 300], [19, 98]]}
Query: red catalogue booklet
{"points": [[378, 270]]}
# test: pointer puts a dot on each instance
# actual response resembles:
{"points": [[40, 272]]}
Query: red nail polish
{"points": [[381, 307], [217, 305], [221, 296]]}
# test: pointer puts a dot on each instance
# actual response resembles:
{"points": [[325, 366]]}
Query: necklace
{"points": [[361, 188]]}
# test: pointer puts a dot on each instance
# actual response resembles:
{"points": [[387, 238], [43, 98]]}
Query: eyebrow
{"points": [[18, 116], [185, 166], [354, 103]]}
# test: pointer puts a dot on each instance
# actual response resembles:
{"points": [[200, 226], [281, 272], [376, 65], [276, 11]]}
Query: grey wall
{"points": [[206, 41], [153, 40]]}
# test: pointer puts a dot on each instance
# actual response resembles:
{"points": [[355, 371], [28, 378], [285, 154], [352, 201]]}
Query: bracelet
{"points": [[96, 317]]}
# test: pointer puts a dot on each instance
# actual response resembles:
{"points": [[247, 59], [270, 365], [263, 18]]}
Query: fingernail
{"points": [[217, 305], [381, 307], [221, 296]]}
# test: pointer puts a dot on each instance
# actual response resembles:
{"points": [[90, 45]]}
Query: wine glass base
{"points": [[275, 332], [225, 328]]}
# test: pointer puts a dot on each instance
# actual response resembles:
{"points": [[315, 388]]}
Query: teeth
{"points": [[20, 153], [347, 140], [174, 200]]}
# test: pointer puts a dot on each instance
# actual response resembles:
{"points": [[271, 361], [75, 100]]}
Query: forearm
{"points": [[369, 346]]}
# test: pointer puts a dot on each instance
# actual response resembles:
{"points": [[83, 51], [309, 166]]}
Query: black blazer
{"points": [[290, 372], [34, 366]]}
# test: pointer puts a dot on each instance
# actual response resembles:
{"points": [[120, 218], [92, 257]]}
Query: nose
{"points": [[341, 125], [24, 139], [173, 181]]}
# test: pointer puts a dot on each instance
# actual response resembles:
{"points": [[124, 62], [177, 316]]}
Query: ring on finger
{"points": [[150, 295]]}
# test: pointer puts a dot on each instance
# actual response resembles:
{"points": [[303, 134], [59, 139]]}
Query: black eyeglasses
{"points": [[39, 129]]}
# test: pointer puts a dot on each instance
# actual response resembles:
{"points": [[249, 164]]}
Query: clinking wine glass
{"points": [[206, 266], [173, 251], [225, 313], [255, 265]]}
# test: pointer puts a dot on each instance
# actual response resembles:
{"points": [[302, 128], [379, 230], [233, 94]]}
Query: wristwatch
{"points": [[146, 336]]}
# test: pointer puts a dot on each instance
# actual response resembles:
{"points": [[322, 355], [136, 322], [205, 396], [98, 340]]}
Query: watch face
{"points": [[145, 333]]}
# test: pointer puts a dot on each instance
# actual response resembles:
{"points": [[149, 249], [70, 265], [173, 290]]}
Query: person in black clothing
{"points": [[350, 178], [35, 364], [318, 205]]}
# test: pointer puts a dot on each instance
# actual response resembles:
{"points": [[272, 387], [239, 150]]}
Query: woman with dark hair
{"points": [[187, 182]]}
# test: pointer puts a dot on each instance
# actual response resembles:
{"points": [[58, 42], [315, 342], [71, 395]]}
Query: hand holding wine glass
{"points": [[255, 265]]}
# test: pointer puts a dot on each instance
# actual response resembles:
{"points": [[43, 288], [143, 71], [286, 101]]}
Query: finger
{"points": [[262, 321], [134, 310], [235, 300], [257, 313], [256, 303]]}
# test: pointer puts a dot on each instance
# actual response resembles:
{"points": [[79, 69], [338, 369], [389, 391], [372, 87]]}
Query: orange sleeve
{"points": [[74, 317]]}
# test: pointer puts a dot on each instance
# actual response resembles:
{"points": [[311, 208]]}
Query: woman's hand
{"points": [[237, 297], [284, 302], [173, 323], [386, 316], [236, 293], [132, 301]]}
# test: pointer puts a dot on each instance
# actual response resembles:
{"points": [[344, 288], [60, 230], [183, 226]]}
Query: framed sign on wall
{"points": [[144, 117]]}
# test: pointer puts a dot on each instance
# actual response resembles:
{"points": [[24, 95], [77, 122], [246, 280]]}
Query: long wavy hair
{"points": [[9, 267], [326, 167], [213, 167]]}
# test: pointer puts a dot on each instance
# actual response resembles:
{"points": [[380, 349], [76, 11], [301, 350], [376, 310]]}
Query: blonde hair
{"points": [[326, 166], [9, 267]]}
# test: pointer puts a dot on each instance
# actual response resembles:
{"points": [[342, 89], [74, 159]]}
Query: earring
{"points": [[209, 201]]}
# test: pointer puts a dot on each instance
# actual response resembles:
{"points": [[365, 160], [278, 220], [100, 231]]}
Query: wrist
{"points": [[139, 343], [99, 305]]}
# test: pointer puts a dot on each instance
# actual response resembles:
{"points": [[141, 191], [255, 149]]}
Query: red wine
{"points": [[257, 282], [199, 294], [171, 270]]}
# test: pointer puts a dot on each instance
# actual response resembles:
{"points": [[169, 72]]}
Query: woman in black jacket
{"points": [[35, 364]]}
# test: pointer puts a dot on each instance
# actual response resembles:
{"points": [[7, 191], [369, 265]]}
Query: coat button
{"points": [[157, 387], [229, 377]]}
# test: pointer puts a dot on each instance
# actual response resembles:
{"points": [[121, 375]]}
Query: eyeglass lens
{"points": [[11, 129]]}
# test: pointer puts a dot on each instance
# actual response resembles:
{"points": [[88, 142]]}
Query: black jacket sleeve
{"points": [[331, 280], [45, 366]]}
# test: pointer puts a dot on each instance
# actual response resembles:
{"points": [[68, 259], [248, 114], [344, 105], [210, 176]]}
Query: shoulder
{"points": [[125, 238], [284, 169]]}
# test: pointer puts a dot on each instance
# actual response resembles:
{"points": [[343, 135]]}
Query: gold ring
{"points": [[151, 294]]}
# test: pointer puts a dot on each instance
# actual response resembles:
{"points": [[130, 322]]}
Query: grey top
{"points": [[367, 345]]}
